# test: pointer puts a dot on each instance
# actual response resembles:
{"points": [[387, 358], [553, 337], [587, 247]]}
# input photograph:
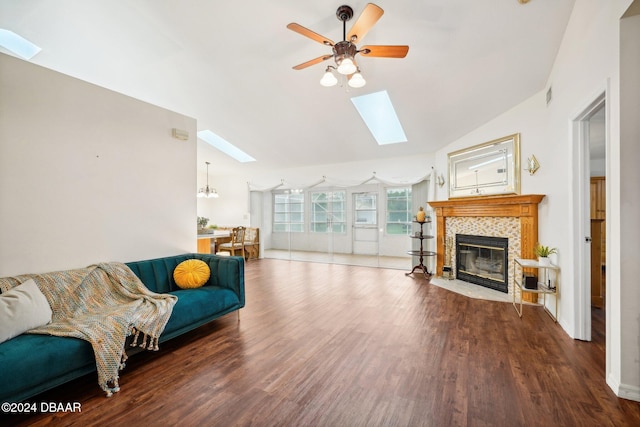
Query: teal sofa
{"points": [[31, 364]]}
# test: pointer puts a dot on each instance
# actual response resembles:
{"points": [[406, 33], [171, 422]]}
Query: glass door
{"points": [[327, 224], [365, 224], [288, 224]]}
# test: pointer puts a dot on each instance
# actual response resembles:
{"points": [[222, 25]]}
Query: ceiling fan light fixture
{"points": [[357, 80], [345, 51], [346, 66], [328, 79]]}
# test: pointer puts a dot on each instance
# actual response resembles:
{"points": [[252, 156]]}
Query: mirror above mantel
{"points": [[487, 169]]}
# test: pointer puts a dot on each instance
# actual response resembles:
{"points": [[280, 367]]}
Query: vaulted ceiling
{"points": [[229, 65]]}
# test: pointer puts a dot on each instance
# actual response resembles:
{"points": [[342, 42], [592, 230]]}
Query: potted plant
{"points": [[543, 253], [202, 223]]}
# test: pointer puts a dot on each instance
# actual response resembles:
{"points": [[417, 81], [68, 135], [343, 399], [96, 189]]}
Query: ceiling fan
{"points": [[344, 51]]}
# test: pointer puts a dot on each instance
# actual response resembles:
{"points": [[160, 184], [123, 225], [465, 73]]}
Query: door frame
{"points": [[581, 209]]}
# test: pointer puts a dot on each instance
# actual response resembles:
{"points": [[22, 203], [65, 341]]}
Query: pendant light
{"points": [[208, 191]]}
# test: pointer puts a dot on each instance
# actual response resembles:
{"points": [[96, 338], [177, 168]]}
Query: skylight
{"points": [[225, 146], [17, 44], [378, 114]]}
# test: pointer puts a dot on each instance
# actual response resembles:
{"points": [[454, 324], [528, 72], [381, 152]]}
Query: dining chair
{"points": [[236, 244], [252, 242]]}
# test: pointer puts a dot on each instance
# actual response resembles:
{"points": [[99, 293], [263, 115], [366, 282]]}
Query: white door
{"points": [[365, 223]]}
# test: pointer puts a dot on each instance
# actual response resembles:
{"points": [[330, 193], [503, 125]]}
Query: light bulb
{"points": [[347, 66], [357, 80], [328, 79]]}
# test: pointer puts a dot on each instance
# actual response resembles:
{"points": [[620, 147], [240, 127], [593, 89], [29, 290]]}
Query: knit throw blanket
{"points": [[102, 304]]}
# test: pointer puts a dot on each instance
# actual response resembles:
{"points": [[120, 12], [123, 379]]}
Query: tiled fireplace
{"points": [[514, 217]]}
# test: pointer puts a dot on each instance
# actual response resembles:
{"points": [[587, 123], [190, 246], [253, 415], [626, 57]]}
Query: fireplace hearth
{"points": [[483, 260]]}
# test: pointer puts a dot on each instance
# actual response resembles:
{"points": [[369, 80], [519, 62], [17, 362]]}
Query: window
{"points": [[288, 212], [328, 212], [399, 211]]}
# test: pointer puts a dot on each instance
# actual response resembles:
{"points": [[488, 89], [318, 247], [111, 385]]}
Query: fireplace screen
{"points": [[482, 260]]}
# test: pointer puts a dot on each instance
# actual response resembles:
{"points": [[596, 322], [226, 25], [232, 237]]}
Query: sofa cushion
{"points": [[191, 273], [22, 308], [29, 359], [197, 305]]}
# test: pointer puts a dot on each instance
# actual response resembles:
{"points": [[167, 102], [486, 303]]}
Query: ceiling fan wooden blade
{"points": [[308, 33], [366, 20], [312, 62], [381, 51]]}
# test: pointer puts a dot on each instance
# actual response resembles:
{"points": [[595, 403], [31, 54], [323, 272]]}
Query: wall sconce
{"points": [[180, 134], [532, 164], [440, 180]]}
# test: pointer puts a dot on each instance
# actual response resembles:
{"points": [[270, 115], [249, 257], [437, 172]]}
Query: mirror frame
{"points": [[507, 147]]}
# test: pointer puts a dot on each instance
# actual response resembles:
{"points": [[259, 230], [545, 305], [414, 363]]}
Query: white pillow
{"points": [[22, 308]]}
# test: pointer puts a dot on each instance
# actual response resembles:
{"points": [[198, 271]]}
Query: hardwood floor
{"points": [[337, 345]]}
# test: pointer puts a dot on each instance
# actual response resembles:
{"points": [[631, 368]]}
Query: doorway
{"points": [[590, 137], [598, 210], [365, 223]]}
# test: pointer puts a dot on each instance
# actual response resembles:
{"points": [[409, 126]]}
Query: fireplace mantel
{"points": [[524, 207]]}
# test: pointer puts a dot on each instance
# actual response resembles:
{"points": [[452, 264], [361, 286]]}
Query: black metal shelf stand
{"points": [[421, 253]]}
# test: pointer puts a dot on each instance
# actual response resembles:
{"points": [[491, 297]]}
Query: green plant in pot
{"points": [[202, 222], [543, 253]]}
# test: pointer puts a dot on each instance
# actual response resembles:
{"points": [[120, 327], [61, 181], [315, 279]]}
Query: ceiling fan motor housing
{"points": [[344, 49]]}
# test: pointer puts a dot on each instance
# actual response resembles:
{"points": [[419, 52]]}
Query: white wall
{"points": [[88, 175], [598, 167], [231, 208], [628, 379], [587, 64]]}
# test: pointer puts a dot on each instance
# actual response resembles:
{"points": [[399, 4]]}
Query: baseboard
{"points": [[624, 391], [629, 392]]}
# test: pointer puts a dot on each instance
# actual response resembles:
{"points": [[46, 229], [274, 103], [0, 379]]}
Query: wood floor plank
{"points": [[336, 345]]}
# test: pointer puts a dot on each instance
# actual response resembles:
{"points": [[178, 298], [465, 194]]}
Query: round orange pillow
{"points": [[191, 273]]}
